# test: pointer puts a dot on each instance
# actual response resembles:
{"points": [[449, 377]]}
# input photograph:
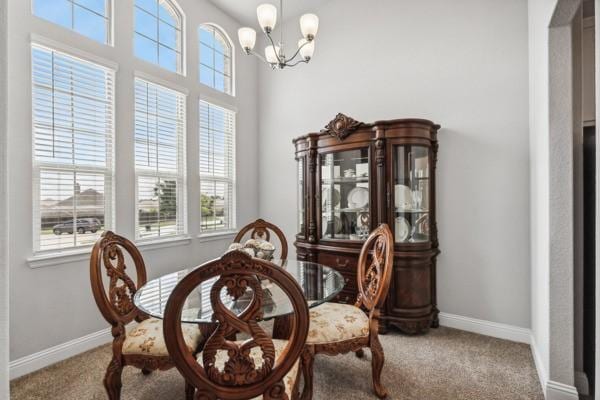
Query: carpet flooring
{"points": [[445, 364]]}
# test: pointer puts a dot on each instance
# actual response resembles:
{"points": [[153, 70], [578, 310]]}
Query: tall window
{"points": [[215, 59], [217, 168], [159, 160], [87, 17], [73, 149], [158, 39]]}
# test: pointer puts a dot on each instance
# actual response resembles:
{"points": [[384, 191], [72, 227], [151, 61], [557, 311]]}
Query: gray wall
{"points": [[462, 64], [54, 304]]}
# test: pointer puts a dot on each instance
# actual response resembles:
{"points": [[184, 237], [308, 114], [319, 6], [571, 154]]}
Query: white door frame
{"points": [[4, 309]]}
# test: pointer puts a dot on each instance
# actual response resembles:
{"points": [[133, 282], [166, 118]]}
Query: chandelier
{"points": [[275, 53]]}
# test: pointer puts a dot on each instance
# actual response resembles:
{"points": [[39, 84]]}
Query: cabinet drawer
{"points": [[344, 264]]}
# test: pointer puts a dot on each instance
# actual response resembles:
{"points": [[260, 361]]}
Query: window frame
{"points": [[232, 80], [180, 177], [182, 62], [110, 26], [109, 171], [207, 234]]}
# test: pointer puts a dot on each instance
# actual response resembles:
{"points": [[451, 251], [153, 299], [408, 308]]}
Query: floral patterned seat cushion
{"points": [[289, 380], [147, 338], [332, 322]]}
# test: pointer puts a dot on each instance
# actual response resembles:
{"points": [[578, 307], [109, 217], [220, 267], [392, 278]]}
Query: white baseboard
{"points": [[44, 358], [560, 391], [488, 328], [581, 383]]}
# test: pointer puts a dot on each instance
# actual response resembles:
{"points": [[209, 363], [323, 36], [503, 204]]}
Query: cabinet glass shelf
{"points": [[411, 193]]}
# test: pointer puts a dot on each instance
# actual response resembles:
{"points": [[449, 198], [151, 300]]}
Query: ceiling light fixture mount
{"points": [[275, 53]]}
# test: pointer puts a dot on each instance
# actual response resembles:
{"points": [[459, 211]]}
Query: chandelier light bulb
{"points": [[271, 54], [267, 16], [247, 37], [309, 25], [307, 48]]}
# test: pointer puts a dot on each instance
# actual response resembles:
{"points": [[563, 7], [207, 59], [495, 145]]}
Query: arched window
{"points": [[215, 59], [158, 33], [90, 18]]}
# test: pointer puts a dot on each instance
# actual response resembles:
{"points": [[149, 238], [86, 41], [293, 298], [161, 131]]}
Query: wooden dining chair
{"points": [[258, 367], [261, 229], [341, 328], [142, 346]]}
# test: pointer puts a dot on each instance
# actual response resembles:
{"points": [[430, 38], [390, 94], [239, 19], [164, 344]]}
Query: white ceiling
{"points": [[245, 10]]}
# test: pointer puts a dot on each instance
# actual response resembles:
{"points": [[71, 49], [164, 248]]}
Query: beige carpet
{"points": [[445, 364]]}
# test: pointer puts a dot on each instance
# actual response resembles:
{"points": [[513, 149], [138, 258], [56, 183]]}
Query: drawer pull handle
{"points": [[341, 264]]}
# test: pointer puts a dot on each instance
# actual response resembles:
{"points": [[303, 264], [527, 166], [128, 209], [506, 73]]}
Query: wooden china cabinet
{"points": [[352, 176]]}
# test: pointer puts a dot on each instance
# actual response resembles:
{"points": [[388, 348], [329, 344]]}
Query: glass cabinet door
{"points": [[300, 197], [345, 195], [411, 194]]}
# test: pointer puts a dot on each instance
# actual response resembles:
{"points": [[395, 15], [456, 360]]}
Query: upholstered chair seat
{"points": [[289, 380], [332, 322], [147, 338]]}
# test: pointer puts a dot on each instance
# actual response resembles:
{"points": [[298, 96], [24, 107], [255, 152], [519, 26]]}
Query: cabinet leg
{"points": [[435, 322]]}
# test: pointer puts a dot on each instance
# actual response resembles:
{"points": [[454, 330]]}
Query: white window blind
{"points": [[73, 134], [217, 168], [159, 160]]}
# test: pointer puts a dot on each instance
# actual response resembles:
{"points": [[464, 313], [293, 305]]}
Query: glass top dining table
{"points": [[319, 284]]}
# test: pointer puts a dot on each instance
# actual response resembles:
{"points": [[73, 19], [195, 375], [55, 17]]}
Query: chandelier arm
{"points": [[274, 49], [279, 59], [303, 61], [257, 55], [297, 52]]}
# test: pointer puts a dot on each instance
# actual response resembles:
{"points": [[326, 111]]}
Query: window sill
{"points": [[50, 259], [212, 237], [47, 260], [152, 244]]}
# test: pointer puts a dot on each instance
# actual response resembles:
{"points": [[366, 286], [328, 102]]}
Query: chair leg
{"points": [[112, 380], [190, 390], [308, 360], [360, 353], [377, 366]]}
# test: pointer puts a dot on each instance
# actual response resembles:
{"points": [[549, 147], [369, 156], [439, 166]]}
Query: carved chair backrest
{"points": [[375, 265], [240, 378], [261, 229], [116, 301]]}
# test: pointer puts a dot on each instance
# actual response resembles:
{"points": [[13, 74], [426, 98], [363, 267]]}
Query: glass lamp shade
{"points": [[271, 54], [267, 16], [307, 48], [247, 37], [309, 25]]}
